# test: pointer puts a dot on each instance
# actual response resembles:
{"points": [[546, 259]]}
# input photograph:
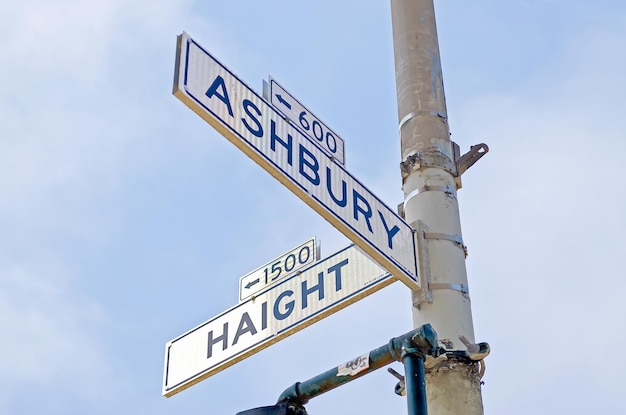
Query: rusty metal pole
{"points": [[430, 179]]}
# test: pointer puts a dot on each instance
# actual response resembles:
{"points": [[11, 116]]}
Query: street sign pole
{"points": [[431, 177]]}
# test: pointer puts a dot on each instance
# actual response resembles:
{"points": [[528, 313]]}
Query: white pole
{"points": [[430, 181]]}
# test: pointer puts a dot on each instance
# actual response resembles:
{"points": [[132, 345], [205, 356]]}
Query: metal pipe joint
{"points": [[418, 343]]}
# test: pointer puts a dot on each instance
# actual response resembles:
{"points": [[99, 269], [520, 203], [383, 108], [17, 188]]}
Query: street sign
{"points": [[256, 128], [279, 268], [273, 314], [285, 103]]}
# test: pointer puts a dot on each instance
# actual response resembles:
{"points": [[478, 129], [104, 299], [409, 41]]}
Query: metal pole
{"points": [[430, 181], [415, 383], [420, 341]]}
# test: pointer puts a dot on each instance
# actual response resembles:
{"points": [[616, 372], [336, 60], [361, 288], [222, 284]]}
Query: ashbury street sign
{"points": [[257, 129], [273, 314]]}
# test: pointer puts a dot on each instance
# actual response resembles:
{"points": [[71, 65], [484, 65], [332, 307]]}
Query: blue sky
{"points": [[125, 220]]}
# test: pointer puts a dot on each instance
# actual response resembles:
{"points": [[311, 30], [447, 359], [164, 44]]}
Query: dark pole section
{"points": [[415, 383], [422, 340], [304, 391]]}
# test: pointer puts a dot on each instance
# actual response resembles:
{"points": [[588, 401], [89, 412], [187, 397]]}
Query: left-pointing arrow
{"points": [[282, 101], [252, 283]]}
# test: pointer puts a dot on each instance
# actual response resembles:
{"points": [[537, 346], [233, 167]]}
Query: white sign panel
{"points": [[279, 268], [275, 313], [306, 121], [257, 129]]}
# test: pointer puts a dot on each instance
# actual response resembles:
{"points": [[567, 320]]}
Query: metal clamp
{"points": [[423, 264], [428, 188], [448, 190], [468, 159], [400, 388], [475, 352], [450, 286], [454, 238], [427, 157], [414, 114]]}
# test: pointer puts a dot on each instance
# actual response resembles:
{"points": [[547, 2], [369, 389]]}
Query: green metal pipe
{"points": [[422, 340], [415, 383]]}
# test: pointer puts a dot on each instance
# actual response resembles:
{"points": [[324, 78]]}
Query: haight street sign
{"points": [[270, 316], [256, 128]]}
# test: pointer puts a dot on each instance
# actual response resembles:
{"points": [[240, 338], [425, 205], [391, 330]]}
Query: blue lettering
{"points": [[337, 270], [264, 316], [223, 338], [365, 210], [319, 288], [312, 164], [289, 306], [246, 107], [274, 138], [390, 232], [245, 325], [219, 83], [344, 193]]}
